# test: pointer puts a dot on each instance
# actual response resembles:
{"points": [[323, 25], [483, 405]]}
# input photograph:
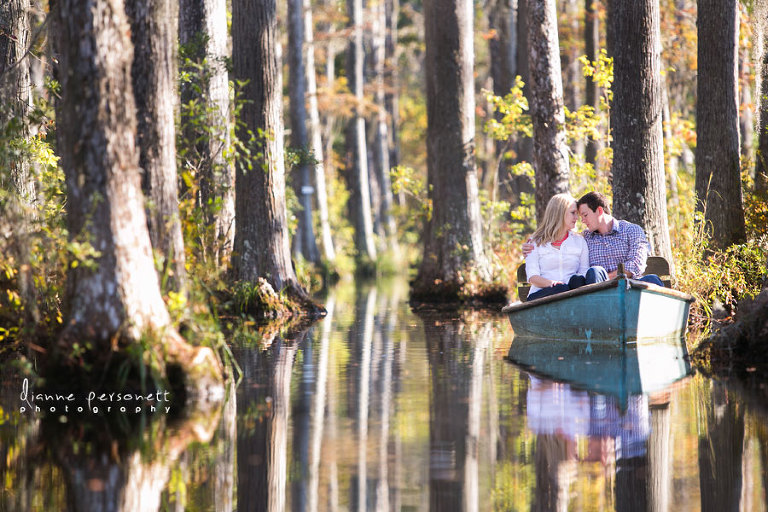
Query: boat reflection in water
{"points": [[617, 369], [613, 399]]}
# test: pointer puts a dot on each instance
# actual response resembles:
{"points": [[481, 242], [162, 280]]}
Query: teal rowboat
{"points": [[614, 312]]}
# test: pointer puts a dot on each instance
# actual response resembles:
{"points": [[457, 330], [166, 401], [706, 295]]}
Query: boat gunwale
{"points": [[591, 288]]}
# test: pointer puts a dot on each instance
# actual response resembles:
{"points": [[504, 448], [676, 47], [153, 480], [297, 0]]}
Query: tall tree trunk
{"points": [[357, 152], [746, 102], [672, 159], [154, 27], [96, 131], [502, 23], [392, 79], [550, 153], [761, 157], [304, 240], [453, 239], [524, 144], [381, 148], [718, 172], [261, 236], [315, 136], [116, 294], [639, 191], [15, 86], [203, 26], [15, 99], [591, 44]]}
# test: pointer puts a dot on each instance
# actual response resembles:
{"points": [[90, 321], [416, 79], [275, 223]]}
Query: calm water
{"points": [[376, 408]]}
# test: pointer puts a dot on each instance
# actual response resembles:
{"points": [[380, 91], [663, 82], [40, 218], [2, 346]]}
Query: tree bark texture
{"points": [[591, 45], [381, 148], [357, 152], [639, 191], [761, 158], [262, 247], [314, 134], [205, 21], [524, 148], [718, 173], [118, 291], [392, 79], [15, 85], [550, 153], [304, 242], [154, 27], [453, 237]]}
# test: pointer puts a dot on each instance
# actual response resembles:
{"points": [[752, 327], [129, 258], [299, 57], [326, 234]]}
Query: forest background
{"points": [[350, 184]]}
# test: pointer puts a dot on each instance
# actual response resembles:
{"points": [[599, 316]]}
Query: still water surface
{"points": [[376, 408]]}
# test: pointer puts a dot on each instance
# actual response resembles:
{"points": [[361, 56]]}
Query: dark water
{"points": [[375, 408]]}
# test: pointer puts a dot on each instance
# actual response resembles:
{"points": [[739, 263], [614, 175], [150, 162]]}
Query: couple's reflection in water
{"points": [[634, 440]]}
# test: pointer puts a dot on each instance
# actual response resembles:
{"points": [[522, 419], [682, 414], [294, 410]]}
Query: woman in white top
{"points": [[560, 257]]}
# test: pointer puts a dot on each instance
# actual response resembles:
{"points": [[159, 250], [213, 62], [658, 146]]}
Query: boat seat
{"points": [[654, 265]]}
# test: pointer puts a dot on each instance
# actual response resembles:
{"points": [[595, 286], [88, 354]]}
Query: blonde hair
{"points": [[554, 219]]}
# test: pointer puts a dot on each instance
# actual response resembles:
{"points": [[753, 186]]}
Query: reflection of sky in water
{"points": [[556, 408]]}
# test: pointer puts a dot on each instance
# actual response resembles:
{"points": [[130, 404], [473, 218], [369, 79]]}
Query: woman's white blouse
{"points": [[558, 265]]}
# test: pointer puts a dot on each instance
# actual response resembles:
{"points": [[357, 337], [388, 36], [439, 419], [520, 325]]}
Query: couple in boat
{"points": [[558, 259]]}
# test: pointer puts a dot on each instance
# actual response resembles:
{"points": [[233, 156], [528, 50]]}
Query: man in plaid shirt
{"points": [[610, 241]]}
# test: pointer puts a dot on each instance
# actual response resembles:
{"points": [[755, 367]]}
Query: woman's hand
{"points": [[543, 282]]}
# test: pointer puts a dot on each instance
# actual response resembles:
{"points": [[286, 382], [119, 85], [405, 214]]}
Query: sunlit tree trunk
{"points": [[524, 147], [639, 191], [15, 86], [304, 240], [718, 172], [381, 148], [96, 140], [261, 237], [357, 152], [154, 27], [761, 157], [392, 79], [591, 45], [502, 23], [550, 153], [315, 137], [672, 159], [203, 27], [453, 239]]}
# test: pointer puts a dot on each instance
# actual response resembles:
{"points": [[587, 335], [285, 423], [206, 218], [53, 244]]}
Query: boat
{"points": [[614, 312], [619, 369]]}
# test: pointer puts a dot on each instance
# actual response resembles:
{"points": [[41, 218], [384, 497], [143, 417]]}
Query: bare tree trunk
{"points": [[718, 173], [96, 130], [154, 27], [591, 44], [746, 119], [550, 153], [639, 191], [524, 144], [761, 157], [357, 152], [203, 24], [381, 149], [114, 293], [304, 240], [261, 237], [15, 39], [453, 239], [315, 136], [502, 22], [392, 79], [15, 100]]}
